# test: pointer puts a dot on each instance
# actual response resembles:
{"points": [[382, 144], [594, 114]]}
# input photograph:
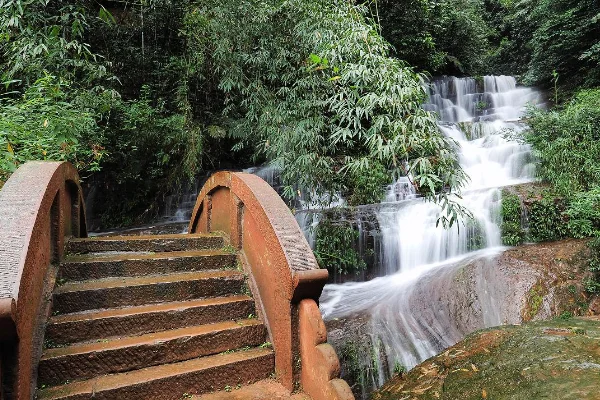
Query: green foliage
{"points": [[42, 125], [592, 283], [310, 86], [512, 26], [475, 235], [594, 265], [566, 42], [512, 231], [150, 149], [543, 39], [438, 36], [110, 92], [335, 247], [546, 220], [550, 217], [584, 214], [399, 369], [368, 188], [565, 316], [43, 37], [567, 144]]}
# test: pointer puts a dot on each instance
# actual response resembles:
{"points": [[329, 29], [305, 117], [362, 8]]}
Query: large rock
{"points": [[557, 359], [413, 320]]}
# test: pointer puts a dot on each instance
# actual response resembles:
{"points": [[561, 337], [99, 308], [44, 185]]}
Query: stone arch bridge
{"points": [[227, 311]]}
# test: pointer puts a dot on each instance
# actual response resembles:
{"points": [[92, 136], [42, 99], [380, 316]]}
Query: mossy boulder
{"points": [[557, 359]]}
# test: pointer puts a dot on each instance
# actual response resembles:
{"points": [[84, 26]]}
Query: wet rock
{"points": [[423, 318], [558, 359]]}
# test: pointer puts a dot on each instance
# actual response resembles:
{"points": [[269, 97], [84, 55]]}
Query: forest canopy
{"points": [[143, 95]]}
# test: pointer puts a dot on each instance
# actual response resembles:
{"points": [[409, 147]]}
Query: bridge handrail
{"points": [[40, 205], [285, 276]]}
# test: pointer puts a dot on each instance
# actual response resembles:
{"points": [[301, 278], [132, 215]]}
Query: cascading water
{"points": [[178, 207], [409, 318]]}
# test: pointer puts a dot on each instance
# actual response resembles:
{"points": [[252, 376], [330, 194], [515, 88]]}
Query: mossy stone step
{"points": [[172, 381], [98, 266], [147, 243], [121, 292], [114, 322]]}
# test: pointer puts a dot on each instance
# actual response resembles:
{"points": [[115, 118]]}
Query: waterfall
{"points": [[409, 313], [178, 207]]}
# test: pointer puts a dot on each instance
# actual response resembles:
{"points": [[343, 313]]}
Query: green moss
{"points": [[556, 359], [535, 298], [360, 365]]}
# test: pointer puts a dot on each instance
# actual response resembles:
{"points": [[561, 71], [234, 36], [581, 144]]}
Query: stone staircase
{"points": [[153, 317]]}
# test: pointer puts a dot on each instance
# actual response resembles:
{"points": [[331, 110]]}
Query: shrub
{"points": [[546, 220], [567, 143], [511, 229], [311, 87], [335, 247], [584, 214], [43, 125]]}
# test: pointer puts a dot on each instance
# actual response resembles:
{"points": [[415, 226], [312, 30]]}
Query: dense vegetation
{"points": [[165, 89], [566, 143], [565, 140], [541, 41], [142, 95], [81, 86], [310, 86], [335, 246]]}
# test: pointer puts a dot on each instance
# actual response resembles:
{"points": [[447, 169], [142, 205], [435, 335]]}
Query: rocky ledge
{"points": [[522, 284], [556, 359]]}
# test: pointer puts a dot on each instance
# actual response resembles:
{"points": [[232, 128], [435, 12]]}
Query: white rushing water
{"points": [[407, 319]]}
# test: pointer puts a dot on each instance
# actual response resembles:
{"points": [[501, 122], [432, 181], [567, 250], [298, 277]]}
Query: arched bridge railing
{"points": [[284, 277], [40, 205]]}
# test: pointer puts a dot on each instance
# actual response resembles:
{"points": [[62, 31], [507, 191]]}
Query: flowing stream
{"points": [[407, 314]]}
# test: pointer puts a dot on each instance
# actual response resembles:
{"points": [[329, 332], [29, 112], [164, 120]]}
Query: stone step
{"points": [[84, 361], [99, 266], [267, 389], [172, 381], [149, 243], [86, 326], [137, 291]]}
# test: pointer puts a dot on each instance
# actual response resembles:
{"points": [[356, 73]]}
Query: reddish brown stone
{"points": [[85, 326], [283, 268], [84, 361], [248, 210], [320, 364], [264, 390], [79, 268], [172, 381], [179, 330], [120, 292], [40, 205], [154, 243]]}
